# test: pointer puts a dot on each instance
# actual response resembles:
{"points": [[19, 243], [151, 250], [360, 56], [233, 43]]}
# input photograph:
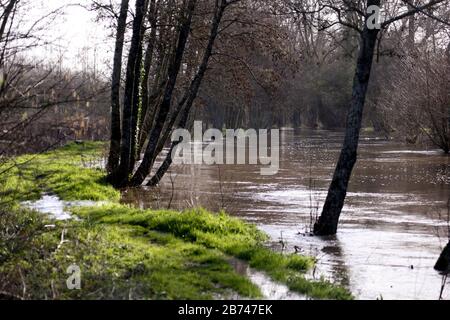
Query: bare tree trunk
{"points": [[135, 107], [129, 114], [114, 150], [174, 68], [411, 30], [447, 53], [155, 94], [148, 60], [192, 92], [328, 221], [162, 170]]}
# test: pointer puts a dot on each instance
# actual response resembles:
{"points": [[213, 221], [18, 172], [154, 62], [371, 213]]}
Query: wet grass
{"points": [[228, 235], [119, 262], [65, 172], [127, 253]]}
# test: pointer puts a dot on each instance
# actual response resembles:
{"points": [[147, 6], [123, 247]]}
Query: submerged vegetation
{"points": [[123, 252]]}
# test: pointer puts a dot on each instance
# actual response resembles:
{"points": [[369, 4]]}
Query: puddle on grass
{"points": [[271, 290], [56, 208]]}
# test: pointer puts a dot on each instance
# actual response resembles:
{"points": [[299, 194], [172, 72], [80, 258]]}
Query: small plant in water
{"points": [[313, 205]]}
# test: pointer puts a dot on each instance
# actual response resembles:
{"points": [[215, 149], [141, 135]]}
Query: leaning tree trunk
{"points": [[328, 221], [114, 150], [165, 166], [144, 169], [148, 61], [187, 101]]}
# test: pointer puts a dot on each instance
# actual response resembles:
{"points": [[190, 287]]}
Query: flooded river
{"points": [[393, 226]]}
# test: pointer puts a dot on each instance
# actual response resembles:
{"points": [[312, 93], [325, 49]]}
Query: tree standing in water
{"points": [[369, 33]]}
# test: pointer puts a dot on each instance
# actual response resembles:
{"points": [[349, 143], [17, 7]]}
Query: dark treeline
{"points": [[274, 66], [282, 70], [51, 108]]}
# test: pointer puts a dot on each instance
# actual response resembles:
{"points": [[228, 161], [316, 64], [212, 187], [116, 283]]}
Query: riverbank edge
{"points": [[129, 253]]}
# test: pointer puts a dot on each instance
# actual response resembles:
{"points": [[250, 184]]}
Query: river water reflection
{"points": [[393, 225]]}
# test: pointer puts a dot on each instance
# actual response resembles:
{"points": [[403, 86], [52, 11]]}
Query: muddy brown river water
{"points": [[393, 226]]}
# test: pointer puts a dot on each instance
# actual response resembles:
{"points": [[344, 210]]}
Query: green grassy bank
{"points": [[123, 252]]}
